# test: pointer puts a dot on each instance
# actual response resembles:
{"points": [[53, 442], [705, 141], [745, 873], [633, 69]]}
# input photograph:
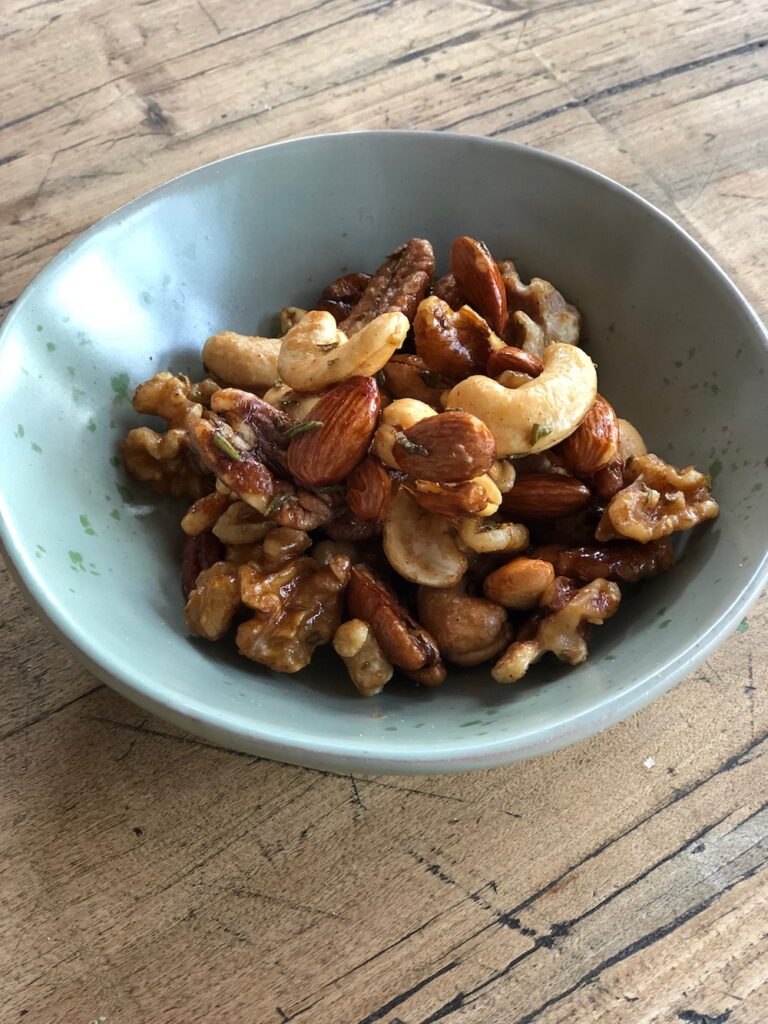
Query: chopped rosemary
{"points": [[329, 346], [278, 382], [486, 526], [411, 446], [432, 380], [227, 447], [276, 503], [332, 489], [305, 427], [538, 431]]}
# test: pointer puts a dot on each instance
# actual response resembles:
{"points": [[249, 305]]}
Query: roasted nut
{"points": [[478, 277], [451, 447], [241, 524], [399, 285], [630, 441], [659, 500], [200, 552], [467, 630], [302, 510], [515, 360], [164, 461], [345, 419], [283, 544], [452, 344], [563, 632], [541, 303], [225, 453], [260, 425], [406, 376], [239, 554], [594, 443], [369, 490], [213, 601], [486, 536], [520, 583], [295, 404], [622, 562], [203, 514], [347, 528], [420, 546], [609, 480], [170, 397], [356, 644], [240, 361], [450, 500], [396, 418], [503, 473], [341, 296], [315, 354], [325, 550], [539, 414], [445, 288], [297, 607], [545, 496], [402, 640], [290, 316]]}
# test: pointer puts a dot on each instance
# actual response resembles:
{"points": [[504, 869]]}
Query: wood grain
{"points": [[148, 876]]}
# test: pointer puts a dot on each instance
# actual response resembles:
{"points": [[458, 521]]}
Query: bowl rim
{"points": [[228, 728]]}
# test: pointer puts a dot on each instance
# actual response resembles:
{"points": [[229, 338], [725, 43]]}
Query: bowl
{"points": [[680, 354]]}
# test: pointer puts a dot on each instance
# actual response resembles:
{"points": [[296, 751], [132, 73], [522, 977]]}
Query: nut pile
{"points": [[416, 471]]}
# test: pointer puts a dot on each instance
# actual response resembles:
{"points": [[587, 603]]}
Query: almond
{"points": [[545, 496], [447, 448], [594, 443], [513, 358], [454, 344], [369, 490], [478, 277], [347, 416]]}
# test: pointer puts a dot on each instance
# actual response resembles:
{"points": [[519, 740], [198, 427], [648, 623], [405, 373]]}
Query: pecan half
{"points": [[545, 496], [402, 640], [478, 277], [453, 344], [451, 447], [258, 423], [369, 490], [400, 283], [345, 419], [538, 304], [341, 296], [225, 453], [445, 288], [201, 551], [622, 562]]}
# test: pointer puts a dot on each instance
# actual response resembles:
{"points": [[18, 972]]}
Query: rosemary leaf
{"points": [[538, 430], [227, 447], [305, 427], [411, 446]]}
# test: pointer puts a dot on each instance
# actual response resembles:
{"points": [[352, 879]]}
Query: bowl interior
{"points": [[679, 353]]}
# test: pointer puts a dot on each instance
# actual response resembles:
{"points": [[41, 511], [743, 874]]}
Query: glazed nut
{"points": [[239, 523], [282, 544], [545, 496], [395, 419], [539, 414], [290, 316], [369, 490], [468, 630], [241, 361], [420, 545], [478, 277], [563, 631], [520, 583], [445, 288], [357, 646], [296, 404], [450, 500], [400, 283], [454, 344], [315, 354], [622, 562], [326, 550], [503, 473], [406, 376], [515, 360], [172, 397], [163, 461], [541, 315], [484, 536], [403, 641], [342, 295], [237, 468], [631, 442], [451, 447], [200, 552], [609, 480], [258, 424], [202, 515], [214, 601], [594, 443], [345, 419]]}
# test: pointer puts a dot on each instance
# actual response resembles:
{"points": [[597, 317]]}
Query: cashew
{"points": [[315, 354], [503, 474], [539, 414], [356, 644], [296, 404], [290, 316], [241, 361], [397, 416], [491, 537], [420, 545], [630, 441]]}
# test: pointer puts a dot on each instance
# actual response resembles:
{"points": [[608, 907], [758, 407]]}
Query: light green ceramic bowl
{"points": [[680, 354]]}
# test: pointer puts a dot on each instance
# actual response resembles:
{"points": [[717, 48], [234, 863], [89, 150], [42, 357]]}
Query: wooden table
{"points": [[147, 876]]}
